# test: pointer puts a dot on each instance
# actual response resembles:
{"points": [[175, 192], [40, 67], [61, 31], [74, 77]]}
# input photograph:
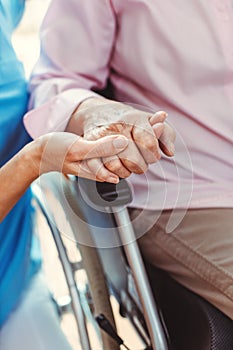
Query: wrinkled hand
{"points": [[148, 134], [68, 153]]}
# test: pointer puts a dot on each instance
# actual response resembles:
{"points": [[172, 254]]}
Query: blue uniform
{"points": [[18, 261]]}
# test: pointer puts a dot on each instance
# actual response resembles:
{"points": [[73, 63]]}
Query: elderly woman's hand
{"points": [[148, 134]]}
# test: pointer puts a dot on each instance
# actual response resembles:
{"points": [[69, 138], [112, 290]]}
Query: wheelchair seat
{"points": [[192, 322]]}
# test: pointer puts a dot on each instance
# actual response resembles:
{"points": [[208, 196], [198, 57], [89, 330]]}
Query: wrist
{"points": [[29, 159], [79, 117]]}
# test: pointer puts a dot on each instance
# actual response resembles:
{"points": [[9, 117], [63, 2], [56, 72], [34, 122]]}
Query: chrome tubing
{"points": [[127, 235]]}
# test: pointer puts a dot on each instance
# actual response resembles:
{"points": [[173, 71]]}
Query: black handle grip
{"points": [[107, 191], [105, 194]]}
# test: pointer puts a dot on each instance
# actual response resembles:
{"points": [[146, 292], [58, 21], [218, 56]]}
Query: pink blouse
{"points": [[171, 55]]}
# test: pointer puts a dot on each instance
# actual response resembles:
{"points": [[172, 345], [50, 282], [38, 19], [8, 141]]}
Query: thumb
{"points": [[104, 147]]}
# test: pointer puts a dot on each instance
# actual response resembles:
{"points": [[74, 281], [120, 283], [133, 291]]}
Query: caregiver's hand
{"points": [[67, 153]]}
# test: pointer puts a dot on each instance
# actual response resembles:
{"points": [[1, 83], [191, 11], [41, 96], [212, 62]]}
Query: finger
{"points": [[95, 172], [167, 140], [78, 169], [147, 142], [96, 167], [115, 165], [103, 147], [158, 129], [132, 159], [86, 173]]}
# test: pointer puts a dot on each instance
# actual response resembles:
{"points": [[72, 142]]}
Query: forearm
{"points": [[60, 151], [17, 175]]}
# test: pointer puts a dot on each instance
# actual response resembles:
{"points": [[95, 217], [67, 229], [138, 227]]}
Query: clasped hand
{"points": [[148, 135]]}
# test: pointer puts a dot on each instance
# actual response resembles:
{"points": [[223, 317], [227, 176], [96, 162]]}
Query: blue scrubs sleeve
{"points": [[17, 266]]}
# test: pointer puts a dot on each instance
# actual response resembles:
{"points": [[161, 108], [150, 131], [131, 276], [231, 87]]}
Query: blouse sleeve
{"points": [[77, 39]]}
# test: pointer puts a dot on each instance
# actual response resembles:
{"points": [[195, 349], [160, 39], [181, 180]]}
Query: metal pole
{"points": [[127, 235]]}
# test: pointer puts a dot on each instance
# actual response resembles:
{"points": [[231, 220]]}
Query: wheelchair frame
{"points": [[143, 312]]}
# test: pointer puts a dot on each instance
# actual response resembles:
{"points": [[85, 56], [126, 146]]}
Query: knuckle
{"points": [[114, 165], [101, 174], [136, 167], [151, 145], [137, 133], [124, 175], [118, 168], [71, 154]]}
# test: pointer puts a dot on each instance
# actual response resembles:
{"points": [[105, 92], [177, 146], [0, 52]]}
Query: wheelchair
{"points": [[163, 314]]}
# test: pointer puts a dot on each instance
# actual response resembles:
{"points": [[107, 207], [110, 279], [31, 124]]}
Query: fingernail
{"points": [[120, 142], [162, 112], [113, 179]]}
